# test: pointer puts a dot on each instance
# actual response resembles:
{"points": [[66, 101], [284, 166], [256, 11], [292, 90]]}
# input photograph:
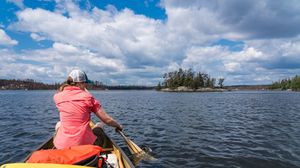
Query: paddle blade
{"points": [[138, 153]]}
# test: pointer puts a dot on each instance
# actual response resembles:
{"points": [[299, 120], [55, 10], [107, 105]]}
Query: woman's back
{"points": [[75, 106]]}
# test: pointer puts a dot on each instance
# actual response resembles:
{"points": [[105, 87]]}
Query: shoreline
{"points": [[185, 89]]}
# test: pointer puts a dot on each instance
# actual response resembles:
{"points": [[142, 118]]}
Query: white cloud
{"points": [[249, 66], [120, 34], [65, 48], [248, 54], [291, 48], [6, 40], [134, 48], [232, 66], [37, 37], [12, 68], [245, 19], [53, 64]]}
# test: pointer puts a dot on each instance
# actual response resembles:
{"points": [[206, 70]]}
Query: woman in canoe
{"points": [[75, 105]]}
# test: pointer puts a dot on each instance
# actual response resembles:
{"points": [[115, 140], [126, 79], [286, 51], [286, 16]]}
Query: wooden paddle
{"points": [[138, 153]]}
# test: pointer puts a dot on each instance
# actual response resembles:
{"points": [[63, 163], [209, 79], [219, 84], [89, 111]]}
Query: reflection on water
{"points": [[233, 129]]}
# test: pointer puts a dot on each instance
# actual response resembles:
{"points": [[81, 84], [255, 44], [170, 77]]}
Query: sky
{"points": [[134, 42]]}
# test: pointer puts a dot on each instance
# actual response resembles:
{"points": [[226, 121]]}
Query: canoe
{"points": [[121, 160]]}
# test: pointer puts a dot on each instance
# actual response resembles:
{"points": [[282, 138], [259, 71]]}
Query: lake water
{"points": [[230, 129]]}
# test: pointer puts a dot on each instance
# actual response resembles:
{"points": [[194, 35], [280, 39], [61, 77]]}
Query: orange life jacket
{"points": [[72, 155]]}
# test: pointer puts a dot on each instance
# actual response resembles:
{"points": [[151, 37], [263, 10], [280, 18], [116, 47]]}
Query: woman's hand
{"points": [[119, 127]]}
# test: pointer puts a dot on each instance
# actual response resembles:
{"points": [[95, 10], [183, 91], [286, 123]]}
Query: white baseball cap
{"points": [[79, 76]]}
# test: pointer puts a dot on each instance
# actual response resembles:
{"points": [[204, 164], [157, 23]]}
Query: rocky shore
{"points": [[186, 89]]}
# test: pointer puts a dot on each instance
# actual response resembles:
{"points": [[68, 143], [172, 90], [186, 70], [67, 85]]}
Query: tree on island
{"points": [[220, 82], [189, 79], [285, 84]]}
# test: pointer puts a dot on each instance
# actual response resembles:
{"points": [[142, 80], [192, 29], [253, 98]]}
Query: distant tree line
{"points": [[30, 84], [129, 87], [189, 79], [96, 85], [27, 84], [288, 83]]}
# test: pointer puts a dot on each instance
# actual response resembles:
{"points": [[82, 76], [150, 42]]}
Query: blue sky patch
{"points": [[149, 8], [232, 45], [25, 42], [47, 5], [7, 13]]}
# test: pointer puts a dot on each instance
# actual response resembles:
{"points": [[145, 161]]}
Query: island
{"points": [[289, 84], [187, 80]]}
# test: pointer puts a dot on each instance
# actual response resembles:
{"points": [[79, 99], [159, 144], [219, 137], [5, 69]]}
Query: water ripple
{"points": [[234, 129]]}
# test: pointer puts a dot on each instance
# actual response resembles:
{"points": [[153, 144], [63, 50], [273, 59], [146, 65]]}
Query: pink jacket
{"points": [[75, 106]]}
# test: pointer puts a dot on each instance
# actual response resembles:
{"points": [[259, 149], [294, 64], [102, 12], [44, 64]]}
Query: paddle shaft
{"points": [[133, 147]]}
